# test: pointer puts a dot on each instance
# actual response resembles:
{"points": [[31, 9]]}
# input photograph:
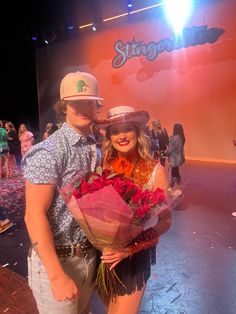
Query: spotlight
{"points": [[34, 38], [129, 5], [94, 28], [71, 27], [46, 42], [177, 12]]}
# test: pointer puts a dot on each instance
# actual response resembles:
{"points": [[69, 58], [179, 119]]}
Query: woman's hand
{"points": [[113, 257]]}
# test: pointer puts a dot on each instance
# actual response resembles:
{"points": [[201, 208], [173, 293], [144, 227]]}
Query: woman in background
{"points": [[47, 130], [13, 144], [161, 136], [4, 151], [175, 153], [26, 139]]}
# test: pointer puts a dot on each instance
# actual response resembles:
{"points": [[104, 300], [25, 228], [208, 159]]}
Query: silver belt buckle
{"points": [[77, 250], [73, 248]]}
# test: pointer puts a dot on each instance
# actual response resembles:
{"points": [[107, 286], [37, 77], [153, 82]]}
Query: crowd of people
{"points": [[13, 146], [124, 143]]}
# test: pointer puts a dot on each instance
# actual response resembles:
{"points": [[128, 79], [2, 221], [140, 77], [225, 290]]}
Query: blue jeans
{"points": [[81, 270]]}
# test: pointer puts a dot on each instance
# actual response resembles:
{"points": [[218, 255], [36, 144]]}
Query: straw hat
{"points": [[124, 114]]}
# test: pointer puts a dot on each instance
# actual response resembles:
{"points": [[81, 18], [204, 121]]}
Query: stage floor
{"points": [[196, 258]]}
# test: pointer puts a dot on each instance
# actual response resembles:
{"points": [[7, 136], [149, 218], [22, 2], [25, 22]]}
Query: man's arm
{"points": [[38, 200]]}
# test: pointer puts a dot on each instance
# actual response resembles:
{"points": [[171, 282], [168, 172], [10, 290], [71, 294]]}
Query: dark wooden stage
{"points": [[196, 259]]}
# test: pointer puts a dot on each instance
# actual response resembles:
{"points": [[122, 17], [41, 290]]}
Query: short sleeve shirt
{"points": [[58, 160]]}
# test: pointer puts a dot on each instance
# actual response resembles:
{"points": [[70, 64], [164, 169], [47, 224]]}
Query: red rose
{"points": [[119, 186], [83, 187], [137, 197], [157, 196], [76, 194], [97, 184]]}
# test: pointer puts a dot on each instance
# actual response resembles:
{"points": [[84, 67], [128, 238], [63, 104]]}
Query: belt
{"points": [[80, 249]]}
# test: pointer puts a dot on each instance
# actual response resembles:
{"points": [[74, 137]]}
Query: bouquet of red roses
{"points": [[112, 211]]}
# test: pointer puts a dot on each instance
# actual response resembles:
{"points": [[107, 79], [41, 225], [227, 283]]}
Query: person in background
{"points": [[98, 135], [61, 253], [175, 153], [154, 143], [161, 136], [4, 151], [126, 150], [96, 131], [52, 129], [47, 129], [26, 139], [13, 144]]}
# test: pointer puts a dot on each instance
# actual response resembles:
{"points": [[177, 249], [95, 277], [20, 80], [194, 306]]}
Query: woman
{"points": [[13, 144], [26, 139], [47, 130], [126, 150], [4, 151], [161, 136], [175, 153]]}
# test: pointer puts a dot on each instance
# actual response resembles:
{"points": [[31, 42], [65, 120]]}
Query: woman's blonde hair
{"points": [[48, 126], [20, 132], [143, 146]]}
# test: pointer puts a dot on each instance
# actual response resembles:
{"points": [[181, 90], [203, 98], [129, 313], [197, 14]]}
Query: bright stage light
{"points": [[177, 12], [129, 4]]}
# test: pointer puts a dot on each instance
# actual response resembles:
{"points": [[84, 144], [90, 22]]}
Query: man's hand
{"points": [[64, 288]]}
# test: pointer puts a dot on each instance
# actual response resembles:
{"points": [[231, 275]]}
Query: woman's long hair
{"points": [[178, 130], [11, 125], [20, 132], [155, 130], [143, 146]]}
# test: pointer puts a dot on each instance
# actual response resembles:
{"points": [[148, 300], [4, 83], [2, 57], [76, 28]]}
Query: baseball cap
{"points": [[79, 86]]}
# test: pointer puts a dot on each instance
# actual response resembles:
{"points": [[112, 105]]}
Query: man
{"points": [[62, 263]]}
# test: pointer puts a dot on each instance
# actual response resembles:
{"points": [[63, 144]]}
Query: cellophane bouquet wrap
{"points": [[112, 211]]}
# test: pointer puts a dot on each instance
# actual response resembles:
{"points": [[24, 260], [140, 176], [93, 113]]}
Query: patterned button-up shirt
{"points": [[58, 160]]}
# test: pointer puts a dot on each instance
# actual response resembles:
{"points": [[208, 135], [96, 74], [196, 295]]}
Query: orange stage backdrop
{"points": [[194, 86]]}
